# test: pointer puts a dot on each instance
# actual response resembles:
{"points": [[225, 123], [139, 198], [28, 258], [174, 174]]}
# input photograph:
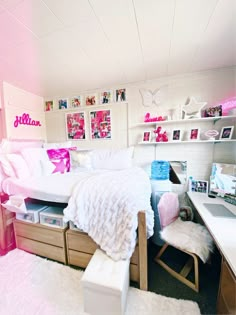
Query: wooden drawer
{"points": [[78, 259], [42, 249], [37, 232], [134, 272], [227, 294], [80, 241]]}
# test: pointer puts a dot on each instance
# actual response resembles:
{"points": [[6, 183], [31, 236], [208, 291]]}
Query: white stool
{"points": [[105, 285]]}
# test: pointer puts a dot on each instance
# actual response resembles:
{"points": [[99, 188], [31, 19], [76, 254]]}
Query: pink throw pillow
{"points": [[61, 159], [168, 208]]}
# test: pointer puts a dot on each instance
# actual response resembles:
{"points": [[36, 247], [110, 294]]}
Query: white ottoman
{"points": [[105, 285]]}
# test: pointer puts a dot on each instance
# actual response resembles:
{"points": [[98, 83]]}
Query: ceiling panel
{"points": [[190, 22], [155, 25], [36, 16], [218, 45]]}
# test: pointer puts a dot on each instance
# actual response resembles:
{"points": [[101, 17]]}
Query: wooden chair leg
{"points": [[182, 276]]}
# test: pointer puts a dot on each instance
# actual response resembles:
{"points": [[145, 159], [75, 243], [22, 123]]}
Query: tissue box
{"points": [[32, 215], [53, 217]]}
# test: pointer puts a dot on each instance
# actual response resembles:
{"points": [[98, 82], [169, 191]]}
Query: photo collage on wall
{"points": [[104, 97]]}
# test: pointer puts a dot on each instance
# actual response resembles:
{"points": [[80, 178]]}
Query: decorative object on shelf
{"points": [[150, 97], [194, 134], [199, 186], [75, 126], [148, 118], [146, 136], [100, 124], [49, 106], [161, 135], [91, 99], [193, 109], [229, 106], [76, 101], [121, 95], [25, 119], [176, 135], [226, 132], [63, 103], [213, 111], [106, 97], [211, 134]]}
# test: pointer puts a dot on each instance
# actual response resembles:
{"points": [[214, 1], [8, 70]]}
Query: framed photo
{"points": [[213, 111], [106, 97], [100, 124], [91, 99], [226, 132], [176, 135], [121, 95], [49, 105], [76, 101], [63, 103], [199, 186], [194, 134], [75, 126], [146, 136]]}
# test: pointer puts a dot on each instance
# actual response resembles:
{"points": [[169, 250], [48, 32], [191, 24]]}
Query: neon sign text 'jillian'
{"points": [[26, 120]]}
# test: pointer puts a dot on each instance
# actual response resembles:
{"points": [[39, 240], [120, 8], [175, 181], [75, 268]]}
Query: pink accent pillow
{"points": [[168, 208], [60, 158]]}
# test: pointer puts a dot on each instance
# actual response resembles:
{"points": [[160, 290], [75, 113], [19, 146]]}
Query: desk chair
{"points": [[186, 236]]}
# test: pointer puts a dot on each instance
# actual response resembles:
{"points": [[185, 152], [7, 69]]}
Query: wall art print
{"points": [[49, 106], [100, 124], [63, 103], [106, 97], [76, 101], [75, 126]]}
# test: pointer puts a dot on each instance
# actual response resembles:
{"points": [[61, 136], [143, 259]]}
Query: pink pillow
{"points": [[168, 208], [60, 158]]}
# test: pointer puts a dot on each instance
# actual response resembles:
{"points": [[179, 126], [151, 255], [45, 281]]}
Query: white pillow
{"points": [[47, 167], [58, 145], [112, 159], [2, 177], [19, 165], [33, 158], [80, 159], [6, 166], [14, 146]]}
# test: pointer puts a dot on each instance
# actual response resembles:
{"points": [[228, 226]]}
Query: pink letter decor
{"points": [[25, 119]]}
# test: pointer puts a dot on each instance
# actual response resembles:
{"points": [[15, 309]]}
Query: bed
{"points": [[108, 207]]}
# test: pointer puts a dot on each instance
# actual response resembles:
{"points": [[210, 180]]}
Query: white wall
{"points": [[16, 103], [209, 86]]}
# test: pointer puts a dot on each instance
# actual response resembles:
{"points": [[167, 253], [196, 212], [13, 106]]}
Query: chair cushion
{"points": [[189, 236], [168, 208]]}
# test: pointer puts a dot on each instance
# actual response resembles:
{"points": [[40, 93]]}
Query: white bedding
{"points": [[106, 207], [103, 204]]}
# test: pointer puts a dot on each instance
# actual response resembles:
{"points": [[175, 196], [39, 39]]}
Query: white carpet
{"points": [[30, 285]]}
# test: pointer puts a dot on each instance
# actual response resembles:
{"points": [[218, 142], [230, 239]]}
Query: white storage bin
{"points": [[160, 185], [33, 210], [53, 217], [105, 285]]}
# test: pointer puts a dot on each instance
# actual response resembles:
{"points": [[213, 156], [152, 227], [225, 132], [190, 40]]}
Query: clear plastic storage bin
{"points": [[53, 217]]}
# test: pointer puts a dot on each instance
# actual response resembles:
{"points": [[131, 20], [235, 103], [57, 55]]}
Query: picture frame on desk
{"points": [[226, 133], [199, 186]]}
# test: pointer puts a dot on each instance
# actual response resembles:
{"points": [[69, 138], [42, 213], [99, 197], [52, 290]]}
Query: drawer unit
{"points": [[32, 215], [81, 247], [41, 240], [53, 217]]}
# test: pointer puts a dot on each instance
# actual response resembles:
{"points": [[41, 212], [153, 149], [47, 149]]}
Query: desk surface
{"points": [[222, 229]]}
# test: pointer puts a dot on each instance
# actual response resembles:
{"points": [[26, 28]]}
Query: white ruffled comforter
{"points": [[106, 206]]}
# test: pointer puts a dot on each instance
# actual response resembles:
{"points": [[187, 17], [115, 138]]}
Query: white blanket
{"points": [[106, 207]]}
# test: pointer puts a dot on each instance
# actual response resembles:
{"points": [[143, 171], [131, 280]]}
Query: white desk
{"points": [[223, 231]]}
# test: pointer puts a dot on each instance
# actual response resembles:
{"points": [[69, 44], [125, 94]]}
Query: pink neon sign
{"points": [[25, 119]]}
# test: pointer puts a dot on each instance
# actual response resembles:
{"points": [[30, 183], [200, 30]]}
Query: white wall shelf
{"points": [[187, 141], [167, 122]]}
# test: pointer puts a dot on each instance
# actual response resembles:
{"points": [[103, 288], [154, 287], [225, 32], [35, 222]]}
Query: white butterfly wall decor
{"points": [[150, 97]]}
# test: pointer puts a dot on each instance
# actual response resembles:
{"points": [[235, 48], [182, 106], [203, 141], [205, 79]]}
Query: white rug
{"points": [[30, 285]]}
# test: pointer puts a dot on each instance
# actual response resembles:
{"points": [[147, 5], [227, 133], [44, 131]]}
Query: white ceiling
{"points": [[61, 47]]}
